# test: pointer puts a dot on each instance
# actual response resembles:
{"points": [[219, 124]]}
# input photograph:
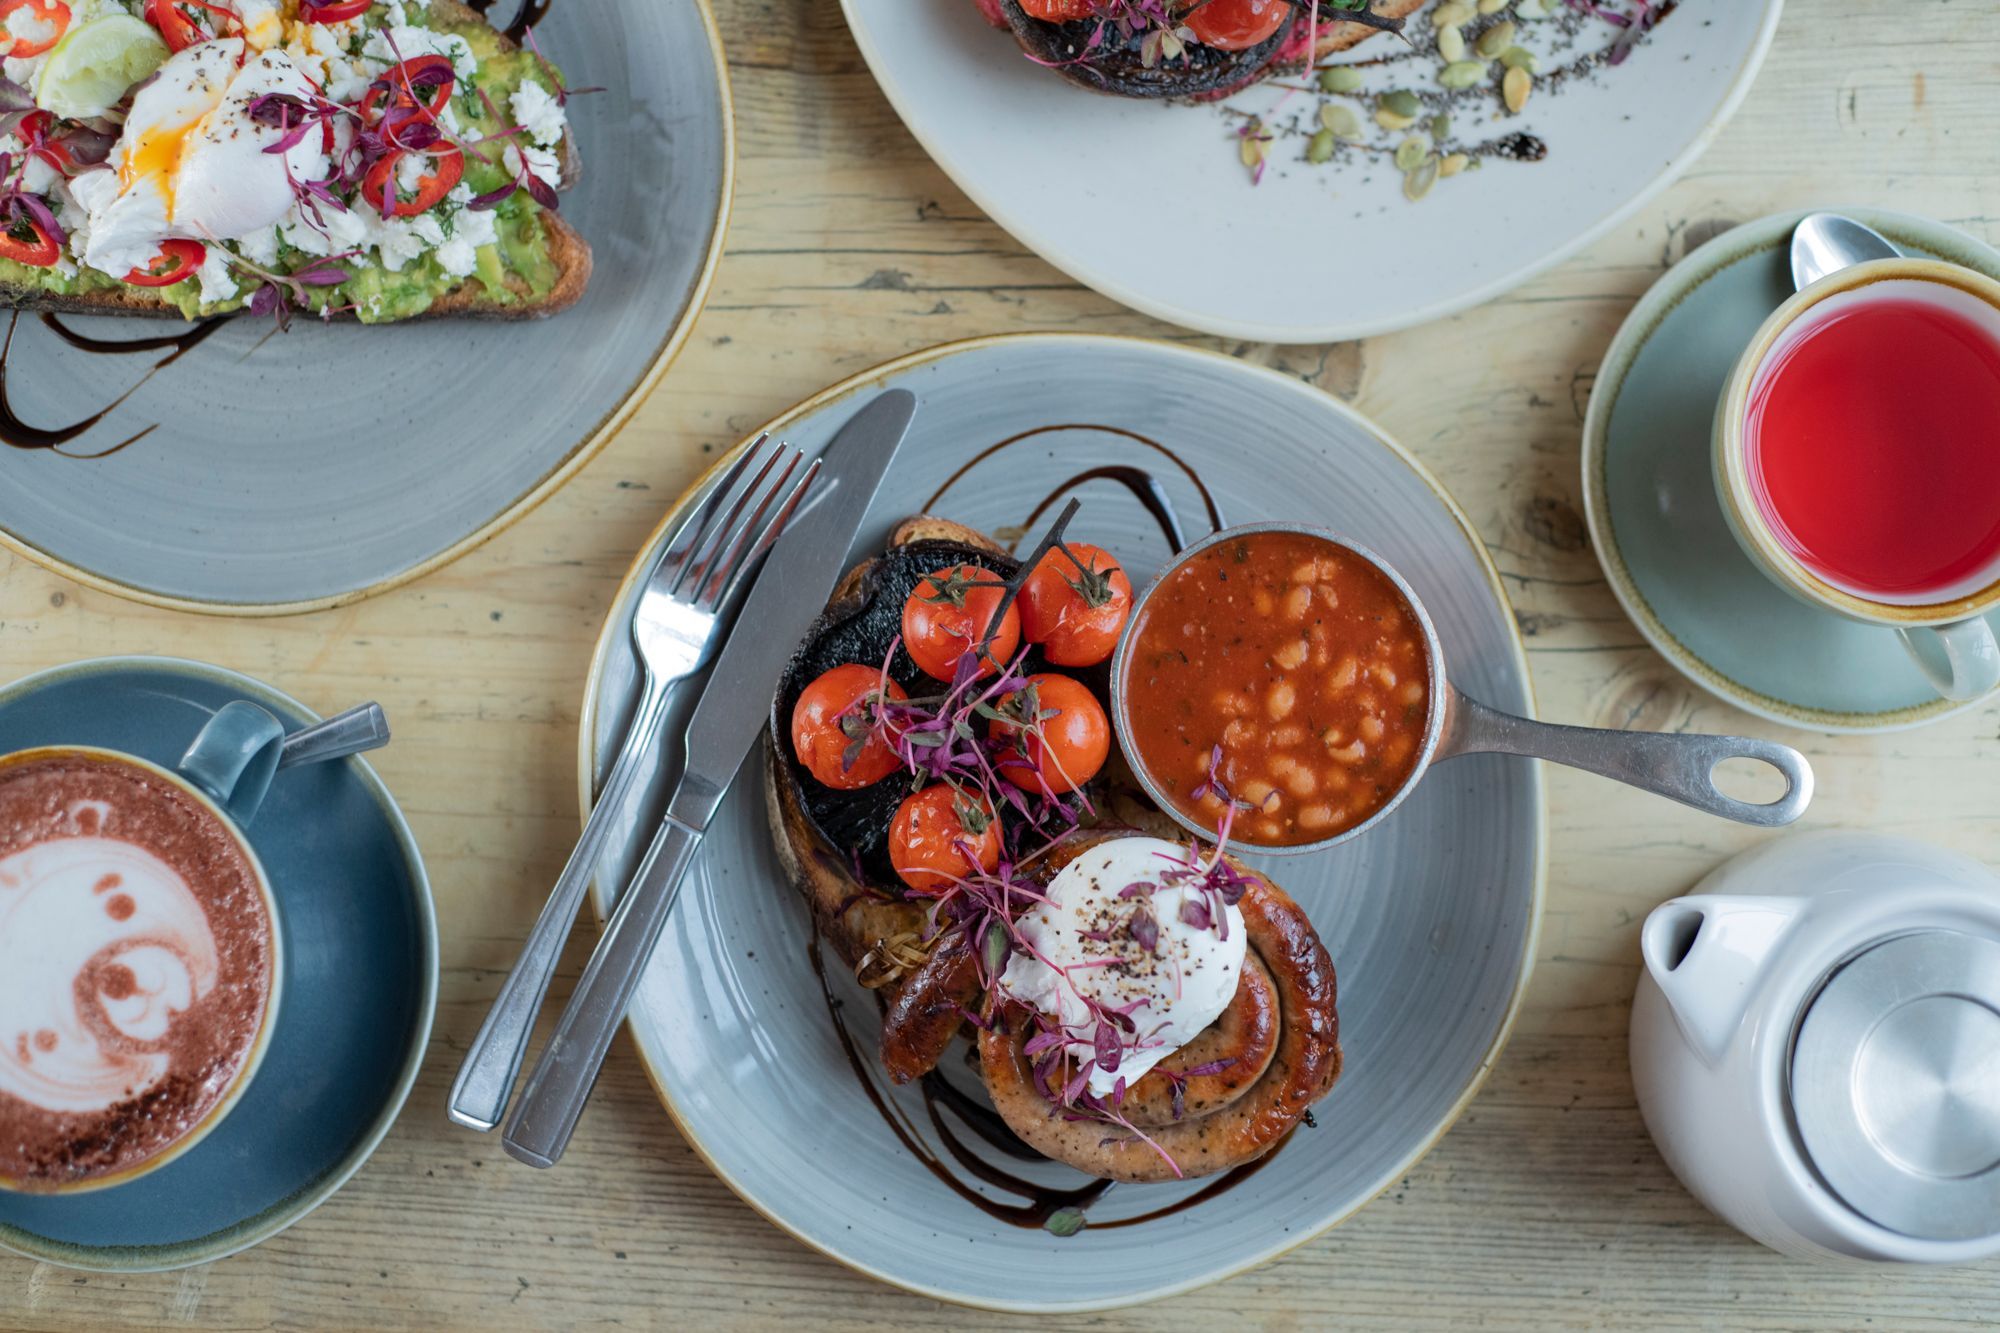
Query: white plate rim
{"points": [[649, 1057], [550, 482], [1340, 331], [1667, 291]]}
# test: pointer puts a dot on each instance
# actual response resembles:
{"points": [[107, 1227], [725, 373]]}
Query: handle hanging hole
{"points": [[1753, 781]]}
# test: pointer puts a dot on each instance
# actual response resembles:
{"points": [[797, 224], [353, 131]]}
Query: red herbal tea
{"points": [[1872, 441]]}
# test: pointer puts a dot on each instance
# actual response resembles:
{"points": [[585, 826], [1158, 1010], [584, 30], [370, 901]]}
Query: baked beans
{"points": [[1302, 662]]}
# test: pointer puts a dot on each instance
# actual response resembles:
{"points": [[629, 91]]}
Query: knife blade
{"points": [[792, 588]]}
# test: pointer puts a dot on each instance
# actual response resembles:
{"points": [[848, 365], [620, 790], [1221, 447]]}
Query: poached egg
{"points": [[1085, 951], [191, 162]]}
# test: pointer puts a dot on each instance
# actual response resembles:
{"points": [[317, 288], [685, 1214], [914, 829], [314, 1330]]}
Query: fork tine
{"points": [[724, 585], [714, 535], [689, 537], [753, 535], [724, 557]]}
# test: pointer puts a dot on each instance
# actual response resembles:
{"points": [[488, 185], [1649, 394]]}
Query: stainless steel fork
{"points": [[674, 632]]}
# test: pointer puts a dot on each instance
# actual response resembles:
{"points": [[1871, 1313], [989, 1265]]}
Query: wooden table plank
{"points": [[1547, 1207]]}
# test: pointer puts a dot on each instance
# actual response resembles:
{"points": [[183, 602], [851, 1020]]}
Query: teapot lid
{"points": [[1895, 1084]]}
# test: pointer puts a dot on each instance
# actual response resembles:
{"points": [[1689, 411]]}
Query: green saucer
{"points": [[1651, 504]]}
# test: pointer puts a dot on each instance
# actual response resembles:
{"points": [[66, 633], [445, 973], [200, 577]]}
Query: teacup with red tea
{"points": [[1857, 457]]}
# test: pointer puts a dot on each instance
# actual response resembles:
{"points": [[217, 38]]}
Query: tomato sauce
{"points": [[1303, 662]]}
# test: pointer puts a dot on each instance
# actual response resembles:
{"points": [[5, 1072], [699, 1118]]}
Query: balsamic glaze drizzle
{"points": [[20, 434], [1039, 1203], [1145, 487]]}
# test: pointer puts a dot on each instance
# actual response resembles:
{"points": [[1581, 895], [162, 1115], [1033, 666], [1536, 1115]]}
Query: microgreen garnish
{"points": [[19, 207], [278, 294], [958, 737]]}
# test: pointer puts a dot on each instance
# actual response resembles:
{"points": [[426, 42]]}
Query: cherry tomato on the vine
{"points": [[1075, 604], [1061, 736], [947, 616], [934, 830], [1236, 25], [834, 729]]}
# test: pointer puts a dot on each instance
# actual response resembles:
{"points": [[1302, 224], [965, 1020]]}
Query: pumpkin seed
{"points": [[1451, 44], [1339, 79], [1515, 87], [1520, 57], [1451, 14], [1341, 120], [1320, 147], [1495, 40], [1440, 126], [1412, 151], [1461, 74], [1453, 164], [1401, 102], [1417, 183], [1492, 6], [1251, 149], [1389, 120]]}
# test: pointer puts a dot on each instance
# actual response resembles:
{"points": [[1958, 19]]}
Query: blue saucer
{"points": [[360, 981], [1658, 528]]}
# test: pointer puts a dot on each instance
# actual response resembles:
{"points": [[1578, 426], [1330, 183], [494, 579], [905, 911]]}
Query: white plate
{"points": [[1430, 918], [1125, 195]]}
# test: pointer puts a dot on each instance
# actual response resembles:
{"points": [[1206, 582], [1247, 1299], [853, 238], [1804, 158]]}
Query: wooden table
{"points": [[1546, 1206]]}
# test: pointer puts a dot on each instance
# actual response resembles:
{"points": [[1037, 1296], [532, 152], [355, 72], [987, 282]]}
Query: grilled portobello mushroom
{"points": [[1117, 66]]}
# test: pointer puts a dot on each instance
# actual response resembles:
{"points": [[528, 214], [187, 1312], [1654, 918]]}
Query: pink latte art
{"points": [[135, 967]]}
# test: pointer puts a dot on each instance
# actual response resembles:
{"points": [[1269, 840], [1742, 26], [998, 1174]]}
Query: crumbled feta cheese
{"points": [[37, 176], [324, 49], [411, 168], [345, 229], [218, 283], [457, 256], [541, 162], [260, 247], [397, 42], [538, 112], [474, 226]]}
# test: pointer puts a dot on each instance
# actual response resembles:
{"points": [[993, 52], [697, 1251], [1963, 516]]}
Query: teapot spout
{"points": [[1706, 953]]}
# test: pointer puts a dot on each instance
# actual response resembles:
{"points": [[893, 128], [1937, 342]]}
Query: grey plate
{"points": [[306, 469], [1649, 494], [1430, 919]]}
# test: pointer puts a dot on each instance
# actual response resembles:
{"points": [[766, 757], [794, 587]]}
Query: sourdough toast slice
{"points": [[568, 253]]}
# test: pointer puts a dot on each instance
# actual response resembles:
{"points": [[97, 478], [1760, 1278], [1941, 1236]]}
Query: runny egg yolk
{"points": [[158, 153]]}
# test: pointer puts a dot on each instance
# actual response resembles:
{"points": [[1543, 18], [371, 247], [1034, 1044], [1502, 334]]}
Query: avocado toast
{"points": [[379, 162]]}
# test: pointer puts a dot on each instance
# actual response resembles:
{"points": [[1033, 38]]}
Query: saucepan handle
{"points": [[1667, 764]]}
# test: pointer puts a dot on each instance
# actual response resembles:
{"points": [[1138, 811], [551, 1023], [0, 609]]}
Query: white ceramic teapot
{"points": [[1816, 1047]]}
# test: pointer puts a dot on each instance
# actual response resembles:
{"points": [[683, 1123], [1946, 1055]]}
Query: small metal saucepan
{"points": [[1678, 766]]}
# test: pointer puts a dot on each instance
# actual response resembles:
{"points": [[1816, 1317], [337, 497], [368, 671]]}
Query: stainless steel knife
{"points": [[791, 590]]}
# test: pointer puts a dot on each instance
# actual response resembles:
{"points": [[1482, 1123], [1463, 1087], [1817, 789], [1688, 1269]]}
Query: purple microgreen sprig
{"points": [[1179, 1081], [563, 92], [1634, 26], [278, 294], [18, 207]]}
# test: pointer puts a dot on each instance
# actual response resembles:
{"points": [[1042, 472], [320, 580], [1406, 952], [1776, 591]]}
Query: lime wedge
{"points": [[94, 63]]}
